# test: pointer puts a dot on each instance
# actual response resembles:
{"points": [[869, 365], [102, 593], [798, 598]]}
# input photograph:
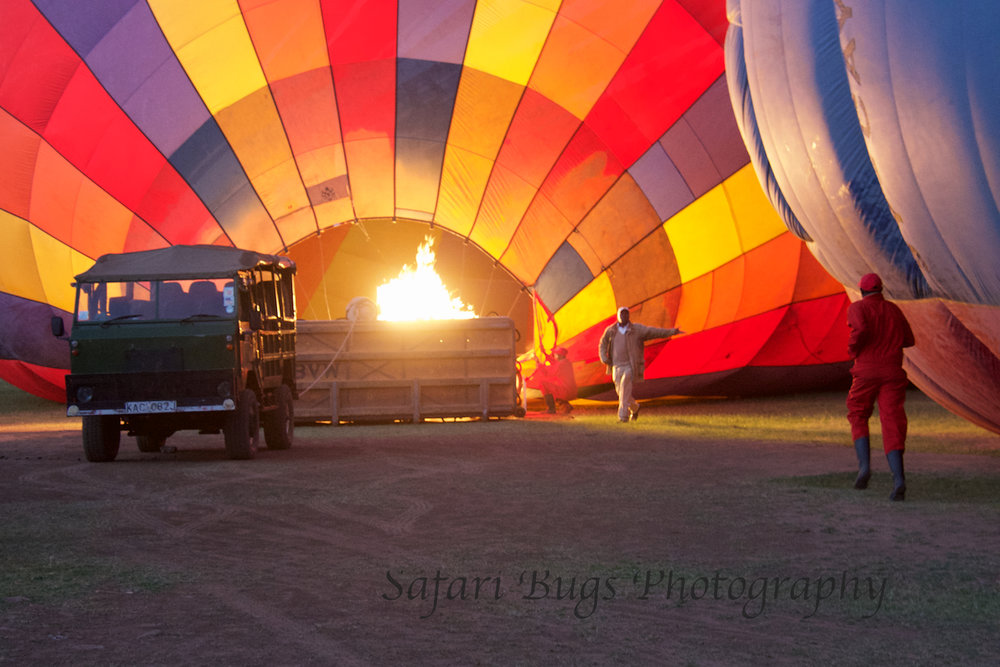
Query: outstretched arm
{"points": [[649, 333]]}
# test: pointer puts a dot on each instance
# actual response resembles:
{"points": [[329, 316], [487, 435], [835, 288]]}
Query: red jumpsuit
{"points": [[555, 378], [879, 332]]}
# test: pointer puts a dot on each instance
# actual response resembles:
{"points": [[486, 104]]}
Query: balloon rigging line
{"points": [[489, 285], [322, 263]]}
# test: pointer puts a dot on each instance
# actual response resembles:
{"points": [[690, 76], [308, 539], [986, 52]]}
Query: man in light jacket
{"points": [[622, 350]]}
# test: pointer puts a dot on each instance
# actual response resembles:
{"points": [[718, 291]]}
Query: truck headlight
{"points": [[84, 393]]}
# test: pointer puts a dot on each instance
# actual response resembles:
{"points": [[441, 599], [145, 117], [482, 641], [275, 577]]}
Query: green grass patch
{"points": [[921, 487], [44, 560], [20, 409], [65, 578], [804, 418], [962, 592], [815, 418]]}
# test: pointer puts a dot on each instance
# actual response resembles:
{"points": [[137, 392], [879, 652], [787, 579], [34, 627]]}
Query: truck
{"points": [[183, 337]]}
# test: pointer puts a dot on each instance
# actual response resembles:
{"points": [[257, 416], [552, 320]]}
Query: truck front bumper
{"points": [[150, 393]]}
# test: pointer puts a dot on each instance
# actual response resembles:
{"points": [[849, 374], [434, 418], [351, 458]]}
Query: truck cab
{"points": [[184, 337]]}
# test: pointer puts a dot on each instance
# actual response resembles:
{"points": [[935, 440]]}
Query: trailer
{"points": [[364, 371]]}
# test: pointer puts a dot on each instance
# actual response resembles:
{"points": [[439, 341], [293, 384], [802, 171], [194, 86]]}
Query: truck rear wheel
{"points": [[279, 424], [242, 427], [150, 444], [101, 438]]}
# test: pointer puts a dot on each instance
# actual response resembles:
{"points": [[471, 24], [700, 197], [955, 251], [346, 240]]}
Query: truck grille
{"points": [[186, 387]]}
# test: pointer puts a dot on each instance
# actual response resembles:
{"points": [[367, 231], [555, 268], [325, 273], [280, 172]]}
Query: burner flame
{"points": [[419, 293]]}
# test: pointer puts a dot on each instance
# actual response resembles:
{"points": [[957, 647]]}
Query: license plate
{"points": [[142, 407]]}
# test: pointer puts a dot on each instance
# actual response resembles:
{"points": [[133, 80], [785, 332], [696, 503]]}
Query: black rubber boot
{"points": [[895, 458], [862, 448], [550, 403]]}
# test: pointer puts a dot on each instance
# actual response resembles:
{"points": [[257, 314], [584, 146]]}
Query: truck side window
{"points": [[267, 298], [243, 300], [287, 297]]}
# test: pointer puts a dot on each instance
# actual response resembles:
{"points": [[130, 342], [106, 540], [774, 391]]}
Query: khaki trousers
{"points": [[622, 375]]}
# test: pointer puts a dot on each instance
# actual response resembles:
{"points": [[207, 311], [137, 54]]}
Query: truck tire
{"points": [[242, 427], [101, 438], [150, 444], [279, 424]]}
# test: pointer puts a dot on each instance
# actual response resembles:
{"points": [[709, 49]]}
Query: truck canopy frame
{"points": [[181, 262]]}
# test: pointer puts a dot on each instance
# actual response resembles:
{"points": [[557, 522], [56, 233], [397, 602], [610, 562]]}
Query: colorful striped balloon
{"points": [[582, 152]]}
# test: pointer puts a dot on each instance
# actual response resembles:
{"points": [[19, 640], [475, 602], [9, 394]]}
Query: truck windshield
{"points": [[155, 300]]}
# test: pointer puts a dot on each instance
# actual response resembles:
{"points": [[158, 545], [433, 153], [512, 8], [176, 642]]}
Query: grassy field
{"points": [[813, 418]]}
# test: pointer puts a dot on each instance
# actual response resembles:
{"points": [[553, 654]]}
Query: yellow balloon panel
{"points": [[212, 43], [20, 278], [61, 264], [371, 185], [506, 199], [184, 21], [23, 250], [756, 220], [297, 225], [284, 187], [595, 302], [506, 38], [333, 213], [323, 165], [703, 235], [256, 134], [462, 184], [483, 109]]}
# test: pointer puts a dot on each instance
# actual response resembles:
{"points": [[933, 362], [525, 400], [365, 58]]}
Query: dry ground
{"points": [[512, 542]]}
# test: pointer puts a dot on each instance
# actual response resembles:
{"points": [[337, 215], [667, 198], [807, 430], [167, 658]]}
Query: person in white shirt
{"points": [[621, 349]]}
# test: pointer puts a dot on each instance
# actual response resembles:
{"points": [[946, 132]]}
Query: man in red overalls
{"points": [[879, 332], [556, 381]]}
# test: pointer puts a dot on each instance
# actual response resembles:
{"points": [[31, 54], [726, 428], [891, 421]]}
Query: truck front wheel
{"points": [[279, 424], [101, 438], [242, 427]]}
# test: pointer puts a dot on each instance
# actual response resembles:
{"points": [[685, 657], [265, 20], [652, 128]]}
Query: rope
{"points": [[334, 359]]}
